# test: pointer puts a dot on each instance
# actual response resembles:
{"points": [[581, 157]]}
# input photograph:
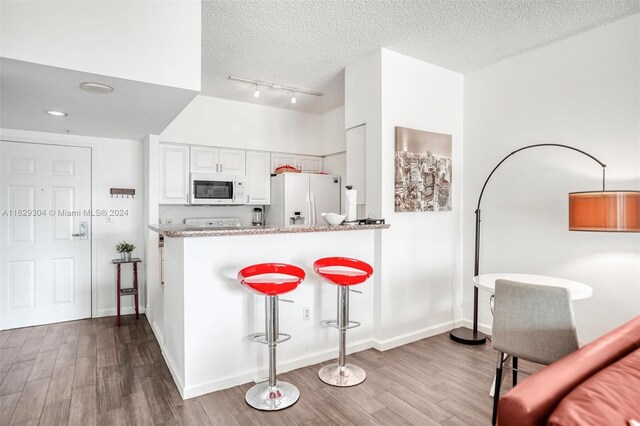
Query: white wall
{"points": [[417, 266], [336, 164], [420, 253], [363, 105], [154, 288], [151, 41], [221, 122], [116, 164], [583, 92], [334, 137]]}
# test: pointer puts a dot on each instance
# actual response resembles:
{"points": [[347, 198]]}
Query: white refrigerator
{"points": [[304, 196]]}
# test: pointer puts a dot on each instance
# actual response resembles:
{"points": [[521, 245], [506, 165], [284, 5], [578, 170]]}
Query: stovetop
{"points": [[213, 222]]}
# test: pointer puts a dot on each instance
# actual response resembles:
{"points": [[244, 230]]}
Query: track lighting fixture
{"points": [[276, 86]]}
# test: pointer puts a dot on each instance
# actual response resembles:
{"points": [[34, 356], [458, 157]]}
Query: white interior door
{"points": [[45, 198]]}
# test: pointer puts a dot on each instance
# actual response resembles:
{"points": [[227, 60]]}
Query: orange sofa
{"points": [[599, 384]]}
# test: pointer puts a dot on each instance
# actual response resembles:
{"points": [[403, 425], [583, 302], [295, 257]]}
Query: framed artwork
{"points": [[422, 171]]}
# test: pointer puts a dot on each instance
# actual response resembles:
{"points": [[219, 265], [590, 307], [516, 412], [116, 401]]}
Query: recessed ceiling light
{"points": [[56, 113], [96, 87]]}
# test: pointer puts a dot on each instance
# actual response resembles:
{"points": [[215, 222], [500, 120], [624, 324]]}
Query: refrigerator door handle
{"points": [[308, 221], [313, 209]]}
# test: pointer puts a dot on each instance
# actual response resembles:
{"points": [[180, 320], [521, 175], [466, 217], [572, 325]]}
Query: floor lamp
{"points": [[608, 211]]}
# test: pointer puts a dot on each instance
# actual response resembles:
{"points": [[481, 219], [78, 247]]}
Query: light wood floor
{"points": [[89, 372]]}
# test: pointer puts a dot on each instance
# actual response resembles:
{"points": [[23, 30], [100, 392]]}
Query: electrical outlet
{"points": [[306, 313]]}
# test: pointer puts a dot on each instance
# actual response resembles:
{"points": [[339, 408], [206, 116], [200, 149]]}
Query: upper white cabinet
{"points": [[232, 161], [174, 174], [279, 159], [217, 160], [258, 178], [306, 163], [310, 164], [204, 159]]}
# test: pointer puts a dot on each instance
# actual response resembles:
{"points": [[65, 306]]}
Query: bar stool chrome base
{"points": [[349, 375], [271, 398]]}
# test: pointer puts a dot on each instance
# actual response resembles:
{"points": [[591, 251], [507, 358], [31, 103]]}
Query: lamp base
{"points": [[466, 336]]}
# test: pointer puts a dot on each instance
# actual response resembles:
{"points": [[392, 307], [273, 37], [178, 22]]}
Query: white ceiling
{"points": [[132, 111], [307, 43]]}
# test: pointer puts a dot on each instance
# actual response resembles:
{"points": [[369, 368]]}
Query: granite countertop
{"points": [[185, 231]]}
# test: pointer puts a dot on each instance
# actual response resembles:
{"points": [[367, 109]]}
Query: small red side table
{"points": [[130, 291]]}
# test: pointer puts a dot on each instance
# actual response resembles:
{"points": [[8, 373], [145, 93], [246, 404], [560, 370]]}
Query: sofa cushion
{"points": [[532, 402], [611, 397]]}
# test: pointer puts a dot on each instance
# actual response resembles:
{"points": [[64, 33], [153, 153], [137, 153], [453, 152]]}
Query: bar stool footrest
{"points": [[334, 324], [262, 338]]}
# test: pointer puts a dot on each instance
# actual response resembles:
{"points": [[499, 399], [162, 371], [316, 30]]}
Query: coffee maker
{"points": [[258, 217]]}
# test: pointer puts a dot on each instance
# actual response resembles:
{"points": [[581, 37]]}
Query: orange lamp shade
{"points": [[612, 211]]}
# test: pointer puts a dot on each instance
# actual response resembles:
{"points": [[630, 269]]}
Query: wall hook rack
{"points": [[121, 192]]}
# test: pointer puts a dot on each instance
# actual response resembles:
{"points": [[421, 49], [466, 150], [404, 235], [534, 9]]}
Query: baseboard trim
{"points": [[257, 374], [156, 331], [414, 336], [485, 328], [174, 373]]}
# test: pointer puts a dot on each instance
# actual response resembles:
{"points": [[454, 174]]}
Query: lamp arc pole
{"points": [[474, 337]]}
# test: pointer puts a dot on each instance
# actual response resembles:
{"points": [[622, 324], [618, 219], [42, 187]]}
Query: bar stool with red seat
{"points": [[343, 272], [271, 280]]}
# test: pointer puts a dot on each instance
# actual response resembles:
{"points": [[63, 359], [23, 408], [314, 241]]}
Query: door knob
{"points": [[84, 231]]}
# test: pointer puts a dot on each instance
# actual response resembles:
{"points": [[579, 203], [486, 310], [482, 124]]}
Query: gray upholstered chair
{"points": [[531, 322]]}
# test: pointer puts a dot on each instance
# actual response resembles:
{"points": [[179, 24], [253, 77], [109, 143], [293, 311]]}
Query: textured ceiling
{"points": [[307, 43]]}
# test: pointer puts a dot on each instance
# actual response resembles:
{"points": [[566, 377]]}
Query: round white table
{"points": [[578, 290]]}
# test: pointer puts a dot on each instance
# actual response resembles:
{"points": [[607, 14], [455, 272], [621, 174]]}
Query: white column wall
{"points": [[418, 283]]}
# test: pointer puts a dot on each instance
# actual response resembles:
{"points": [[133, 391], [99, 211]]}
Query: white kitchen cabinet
{"points": [[174, 174], [232, 161], [309, 164], [204, 159], [258, 178], [217, 160], [279, 159], [306, 163]]}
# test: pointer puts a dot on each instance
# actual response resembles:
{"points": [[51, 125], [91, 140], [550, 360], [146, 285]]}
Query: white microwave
{"points": [[211, 189]]}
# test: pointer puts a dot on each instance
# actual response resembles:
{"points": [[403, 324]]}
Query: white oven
{"points": [[212, 189]]}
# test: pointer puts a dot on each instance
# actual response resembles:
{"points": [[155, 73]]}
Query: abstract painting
{"points": [[423, 171]]}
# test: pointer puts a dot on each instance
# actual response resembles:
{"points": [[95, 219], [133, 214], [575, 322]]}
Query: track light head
{"points": [[256, 93], [293, 98]]}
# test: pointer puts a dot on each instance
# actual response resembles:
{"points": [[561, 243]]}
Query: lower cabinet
{"points": [[258, 178]]}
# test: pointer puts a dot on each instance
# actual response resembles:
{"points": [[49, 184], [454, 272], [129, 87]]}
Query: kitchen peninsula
{"points": [[209, 317]]}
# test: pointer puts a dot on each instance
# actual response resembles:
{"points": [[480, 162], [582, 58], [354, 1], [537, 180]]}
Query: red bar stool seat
{"points": [[271, 280], [343, 272]]}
